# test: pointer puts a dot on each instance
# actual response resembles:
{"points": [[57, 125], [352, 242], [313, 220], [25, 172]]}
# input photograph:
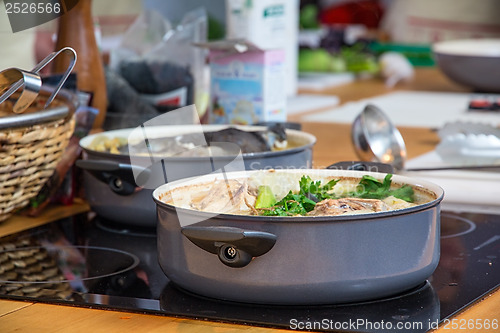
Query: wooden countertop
{"points": [[333, 145]]}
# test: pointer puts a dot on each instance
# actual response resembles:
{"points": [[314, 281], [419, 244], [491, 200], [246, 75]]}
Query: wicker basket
{"points": [[29, 154]]}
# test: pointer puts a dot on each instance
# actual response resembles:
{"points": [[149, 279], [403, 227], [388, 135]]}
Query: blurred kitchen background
{"points": [[252, 61]]}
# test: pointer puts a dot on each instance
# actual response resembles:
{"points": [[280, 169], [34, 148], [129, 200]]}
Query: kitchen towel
{"points": [[307, 102], [320, 81], [465, 190], [413, 109]]}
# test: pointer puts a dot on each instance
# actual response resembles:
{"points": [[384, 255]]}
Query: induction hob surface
{"points": [[100, 264]]}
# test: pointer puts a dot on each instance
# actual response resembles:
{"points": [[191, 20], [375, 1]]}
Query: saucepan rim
{"points": [[184, 129], [400, 179]]}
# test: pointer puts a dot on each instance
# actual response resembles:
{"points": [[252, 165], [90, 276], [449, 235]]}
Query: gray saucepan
{"points": [[299, 260], [111, 189]]}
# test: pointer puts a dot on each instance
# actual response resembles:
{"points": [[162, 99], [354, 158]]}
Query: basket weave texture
{"points": [[28, 158]]}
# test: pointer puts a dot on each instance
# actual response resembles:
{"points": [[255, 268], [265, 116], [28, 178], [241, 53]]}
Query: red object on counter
{"points": [[479, 104], [368, 13], [485, 104]]}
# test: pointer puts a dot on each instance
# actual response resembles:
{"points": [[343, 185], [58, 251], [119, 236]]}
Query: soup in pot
{"points": [[286, 194]]}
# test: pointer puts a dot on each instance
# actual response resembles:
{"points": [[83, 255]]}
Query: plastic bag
{"points": [[161, 63]]}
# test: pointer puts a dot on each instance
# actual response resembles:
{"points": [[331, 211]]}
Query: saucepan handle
{"points": [[362, 166], [235, 247], [119, 176]]}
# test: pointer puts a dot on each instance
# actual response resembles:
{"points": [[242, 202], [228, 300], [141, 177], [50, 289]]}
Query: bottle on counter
{"points": [[76, 29]]}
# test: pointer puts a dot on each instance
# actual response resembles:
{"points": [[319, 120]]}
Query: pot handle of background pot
{"points": [[362, 166], [119, 176], [235, 247]]}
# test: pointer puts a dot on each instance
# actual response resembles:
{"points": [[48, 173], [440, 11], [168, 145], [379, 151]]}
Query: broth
{"points": [[241, 196]]}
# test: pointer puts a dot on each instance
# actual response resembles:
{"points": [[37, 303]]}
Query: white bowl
{"points": [[474, 63]]}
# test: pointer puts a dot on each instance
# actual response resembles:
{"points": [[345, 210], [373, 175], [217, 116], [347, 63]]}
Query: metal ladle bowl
{"points": [[376, 139]]}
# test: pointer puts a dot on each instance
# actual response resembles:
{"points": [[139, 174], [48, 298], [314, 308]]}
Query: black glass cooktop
{"points": [[100, 264]]}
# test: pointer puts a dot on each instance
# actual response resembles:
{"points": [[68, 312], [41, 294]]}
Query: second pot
{"points": [[111, 190]]}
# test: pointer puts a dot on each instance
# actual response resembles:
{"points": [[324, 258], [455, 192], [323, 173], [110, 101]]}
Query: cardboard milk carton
{"points": [[246, 84], [269, 25]]}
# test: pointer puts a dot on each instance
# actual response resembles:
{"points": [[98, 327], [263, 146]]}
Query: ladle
{"points": [[376, 139]]}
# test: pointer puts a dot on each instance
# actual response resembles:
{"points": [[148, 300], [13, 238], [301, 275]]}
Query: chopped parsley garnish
{"points": [[311, 192], [371, 188]]}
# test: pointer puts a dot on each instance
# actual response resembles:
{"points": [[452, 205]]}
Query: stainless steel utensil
{"points": [[376, 139], [12, 79]]}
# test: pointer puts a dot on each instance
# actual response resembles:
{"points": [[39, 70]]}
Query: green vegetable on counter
{"points": [[352, 59], [308, 17], [319, 60], [359, 61]]}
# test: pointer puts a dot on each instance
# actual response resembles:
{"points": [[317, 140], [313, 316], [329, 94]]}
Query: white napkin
{"points": [[465, 190], [412, 109], [307, 102]]}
